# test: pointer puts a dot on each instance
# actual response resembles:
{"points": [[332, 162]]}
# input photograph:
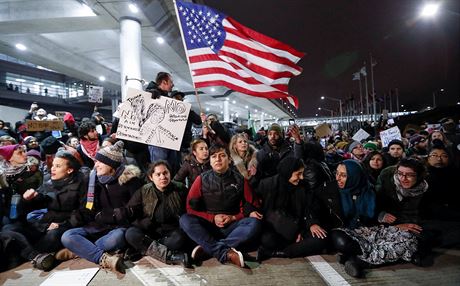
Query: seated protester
{"points": [[400, 190], [194, 164], [110, 188], [49, 147], [61, 196], [215, 219], [356, 151], [285, 203], [17, 178], [440, 206], [373, 164], [243, 155], [156, 209], [89, 143], [347, 206]]}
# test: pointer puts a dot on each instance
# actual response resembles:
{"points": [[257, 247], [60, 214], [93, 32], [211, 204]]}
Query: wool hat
{"points": [[28, 139], [341, 145], [276, 127], [50, 145], [111, 155], [34, 153], [6, 152], [397, 142], [352, 146], [370, 145], [415, 139]]}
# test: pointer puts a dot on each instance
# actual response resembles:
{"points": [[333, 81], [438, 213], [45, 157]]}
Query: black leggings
{"points": [[344, 244], [174, 240], [308, 246]]}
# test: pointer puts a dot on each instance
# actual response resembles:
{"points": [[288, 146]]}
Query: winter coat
{"points": [[268, 160], [190, 170], [244, 165]]}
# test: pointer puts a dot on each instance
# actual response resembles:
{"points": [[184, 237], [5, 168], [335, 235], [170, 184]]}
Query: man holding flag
{"points": [[222, 52]]}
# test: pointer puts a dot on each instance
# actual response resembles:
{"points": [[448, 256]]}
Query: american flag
{"points": [[222, 52]]}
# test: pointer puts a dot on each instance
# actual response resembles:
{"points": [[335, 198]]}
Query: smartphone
{"points": [[56, 134], [291, 121]]}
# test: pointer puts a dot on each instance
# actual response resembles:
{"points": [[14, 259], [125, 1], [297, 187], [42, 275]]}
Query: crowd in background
{"points": [[83, 193]]}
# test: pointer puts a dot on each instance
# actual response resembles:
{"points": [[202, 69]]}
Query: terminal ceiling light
{"points": [[102, 78], [160, 40], [213, 89], [207, 108], [21, 47], [39, 83], [20, 80], [429, 10], [133, 8], [234, 101], [246, 107]]}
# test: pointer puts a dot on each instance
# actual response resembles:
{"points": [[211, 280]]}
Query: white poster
{"points": [[71, 277], [95, 93], [360, 135], [160, 122], [390, 134]]}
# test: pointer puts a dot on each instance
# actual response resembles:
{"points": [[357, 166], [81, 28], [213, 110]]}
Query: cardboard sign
{"points": [[42, 125], [390, 134], [360, 135], [60, 114], [160, 122], [95, 94], [323, 130]]}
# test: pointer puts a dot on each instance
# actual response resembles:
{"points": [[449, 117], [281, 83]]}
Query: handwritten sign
{"points": [[360, 135], [95, 93], [390, 134], [42, 125], [60, 114], [160, 122], [323, 130]]}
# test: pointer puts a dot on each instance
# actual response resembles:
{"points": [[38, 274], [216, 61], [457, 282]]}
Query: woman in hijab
{"points": [[286, 202]]}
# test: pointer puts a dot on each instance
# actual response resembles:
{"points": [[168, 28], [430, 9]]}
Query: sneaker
{"points": [[112, 262], [198, 254], [65, 254], [235, 257], [44, 261]]}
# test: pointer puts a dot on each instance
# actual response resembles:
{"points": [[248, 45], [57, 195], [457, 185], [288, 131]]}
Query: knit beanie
{"points": [[111, 155], [397, 142], [28, 139], [34, 153], [415, 139], [276, 127], [50, 145], [370, 145], [352, 146], [6, 152]]}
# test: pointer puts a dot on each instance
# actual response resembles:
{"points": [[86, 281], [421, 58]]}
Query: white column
{"points": [[262, 120], [226, 111], [130, 54]]}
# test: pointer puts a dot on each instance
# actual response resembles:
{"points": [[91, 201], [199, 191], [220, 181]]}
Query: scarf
{"points": [[357, 197], [103, 180], [11, 171], [89, 147], [59, 184], [415, 191]]}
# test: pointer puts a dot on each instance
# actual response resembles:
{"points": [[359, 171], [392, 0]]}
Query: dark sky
{"points": [[417, 56]]}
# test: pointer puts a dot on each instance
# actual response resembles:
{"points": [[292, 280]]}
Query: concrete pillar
{"points": [[130, 54], [226, 111]]}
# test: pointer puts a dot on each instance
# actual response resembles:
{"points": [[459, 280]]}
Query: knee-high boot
{"points": [[165, 255]]}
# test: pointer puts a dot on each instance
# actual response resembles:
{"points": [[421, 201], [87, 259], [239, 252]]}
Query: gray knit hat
{"points": [[111, 155], [352, 146], [277, 128]]}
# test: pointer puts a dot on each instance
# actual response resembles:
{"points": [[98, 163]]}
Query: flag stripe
{"points": [[264, 39], [274, 62]]}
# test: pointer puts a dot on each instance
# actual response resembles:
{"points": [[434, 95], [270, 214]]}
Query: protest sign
{"points": [[95, 93], [160, 122], [42, 125], [360, 135], [390, 134], [323, 130]]}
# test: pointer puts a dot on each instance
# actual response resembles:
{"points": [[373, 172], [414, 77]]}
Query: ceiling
{"points": [[82, 41]]}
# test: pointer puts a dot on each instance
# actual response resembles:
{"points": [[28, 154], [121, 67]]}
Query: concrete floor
{"points": [[316, 270]]}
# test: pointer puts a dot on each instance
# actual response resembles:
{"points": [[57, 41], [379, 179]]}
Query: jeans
{"points": [[76, 241], [217, 241]]}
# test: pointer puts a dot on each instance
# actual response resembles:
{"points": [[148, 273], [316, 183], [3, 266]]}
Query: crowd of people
{"points": [[92, 196]]}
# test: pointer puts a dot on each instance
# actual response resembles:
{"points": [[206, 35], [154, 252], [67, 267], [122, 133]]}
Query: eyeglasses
{"points": [[439, 157], [406, 175]]}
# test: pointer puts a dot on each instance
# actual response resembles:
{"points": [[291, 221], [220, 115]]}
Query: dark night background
{"points": [[417, 56]]}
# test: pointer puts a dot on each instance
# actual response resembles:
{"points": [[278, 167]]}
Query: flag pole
{"points": [[186, 55], [361, 98], [366, 93], [373, 89]]}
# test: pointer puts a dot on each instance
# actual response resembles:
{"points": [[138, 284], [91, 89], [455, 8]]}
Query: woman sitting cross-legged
{"points": [[62, 195], [104, 217], [285, 202], [156, 209]]}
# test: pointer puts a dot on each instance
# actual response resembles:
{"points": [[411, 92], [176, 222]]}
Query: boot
{"points": [[112, 262], [162, 253], [264, 254], [353, 267], [235, 257], [44, 261], [65, 254]]}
